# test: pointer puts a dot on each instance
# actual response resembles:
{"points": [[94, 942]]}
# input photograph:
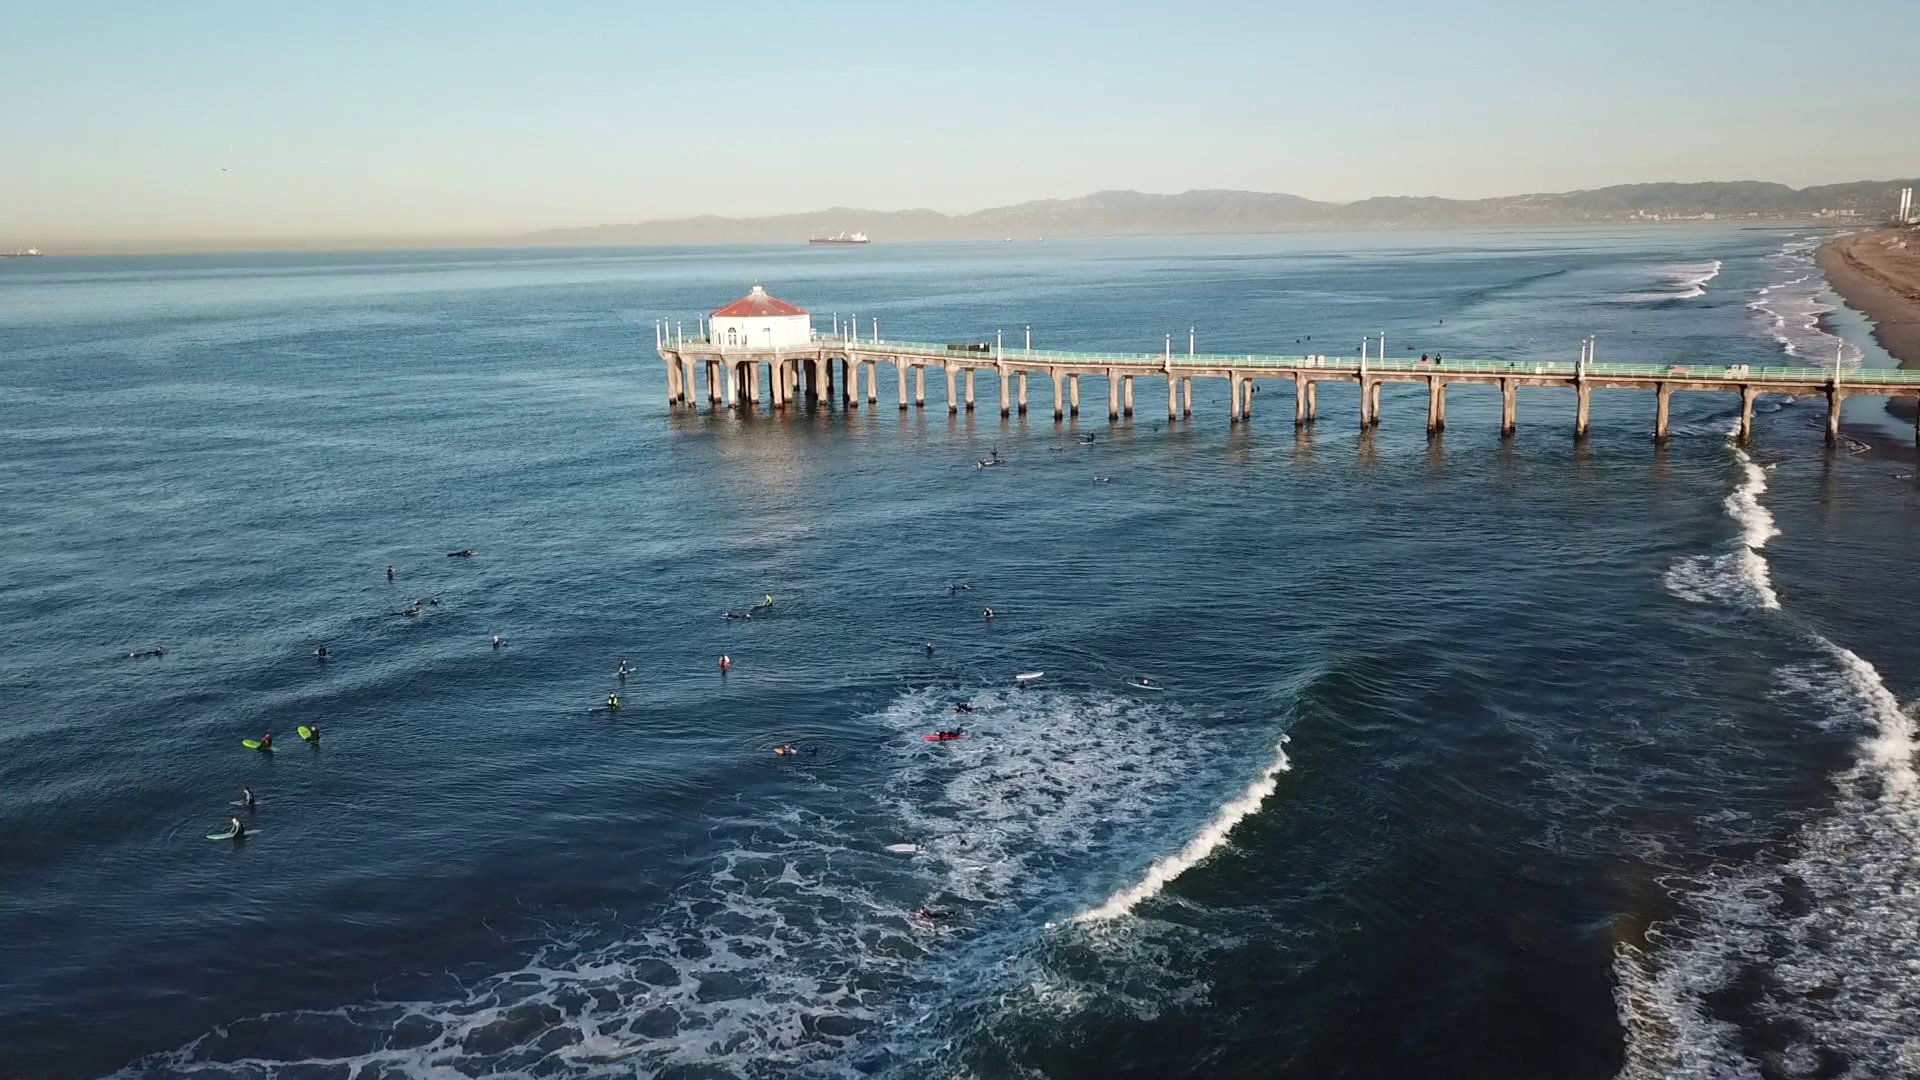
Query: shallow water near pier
{"points": [[1476, 758]]}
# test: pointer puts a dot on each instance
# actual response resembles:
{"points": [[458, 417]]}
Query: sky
{"points": [[125, 125]]}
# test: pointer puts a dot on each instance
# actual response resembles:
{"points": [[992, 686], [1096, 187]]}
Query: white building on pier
{"points": [[760, 321]]}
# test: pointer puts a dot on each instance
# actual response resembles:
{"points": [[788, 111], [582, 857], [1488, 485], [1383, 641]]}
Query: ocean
{"points": [[1474, 758]]}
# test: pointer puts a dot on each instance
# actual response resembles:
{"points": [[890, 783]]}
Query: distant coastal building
{"points": [[759, 320]]}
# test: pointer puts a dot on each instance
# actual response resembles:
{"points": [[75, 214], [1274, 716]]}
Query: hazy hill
{"points": [[1106, 213]]}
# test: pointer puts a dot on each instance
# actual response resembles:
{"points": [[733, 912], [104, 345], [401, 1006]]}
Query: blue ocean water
{"points": [[1476, 758]]}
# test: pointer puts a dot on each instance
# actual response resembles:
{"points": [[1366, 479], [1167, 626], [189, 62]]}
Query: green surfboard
{"points": [[306, 733], [254, 744]]}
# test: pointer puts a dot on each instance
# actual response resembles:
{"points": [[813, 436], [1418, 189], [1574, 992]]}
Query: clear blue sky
{"points": [[132, 123]]}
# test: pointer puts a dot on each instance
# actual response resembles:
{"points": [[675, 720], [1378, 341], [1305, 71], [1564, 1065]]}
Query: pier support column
{"points": [[827, 385], [1233, 395], [713, 385], [1246, 398], [1126, 396], [969, 389], [1366, 402], [1436, 405], [900, 368], [953, 389], [1299, 399], [1173, 397], [1113, 395], [733, 386], [1073, 394], [873, 382], [673, 383], [1313, 400], [1747, 396], [1059, 396], [1662, 408], [782, 384], [920, 386], [690, 384], [1509, 408], [853, 384], [1836, 401], [1186, 396], [1023, 393], [1582, 408], [1006, 392], [1373, 406]]}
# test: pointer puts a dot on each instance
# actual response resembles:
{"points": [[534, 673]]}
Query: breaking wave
{"points": [[1819, 952], [1740, 577], [1197, 849], [1790, 306], [1684, 281], [794, 950]]}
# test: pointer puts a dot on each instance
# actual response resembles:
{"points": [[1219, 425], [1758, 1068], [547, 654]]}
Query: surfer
{"points": [[266, 742], [322, 654], [1103, 479], [963, 707], [726, 663], [949, 734], [236, 830], [434, 602], [929, 914], [613, 701], [312, 733], [389, 573], [622, 671], [767, 600], [411, 611], [987, 613], [246, 797], [498, 641], [142, 654], [958, 586], [929, 648], [738, 615], [463, 553]]}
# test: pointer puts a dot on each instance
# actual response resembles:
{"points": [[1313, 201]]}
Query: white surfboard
{"points": [[904, 849], [1028, 676]]}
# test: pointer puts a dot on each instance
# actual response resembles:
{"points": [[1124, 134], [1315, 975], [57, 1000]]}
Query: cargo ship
{"points": [[845, 239], [34, 253]]}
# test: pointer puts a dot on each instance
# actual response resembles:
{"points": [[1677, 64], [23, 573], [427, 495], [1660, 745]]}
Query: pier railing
{"points": [[1273, 361]]}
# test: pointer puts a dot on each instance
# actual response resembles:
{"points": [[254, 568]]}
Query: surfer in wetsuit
{"points": [[266, 741], [987, 613], [726, 664], [463, 553], [1144, 681], [623, 670], [246, 797], [767, 600], [929, 914], [929, 648], [236, 830], [313, 733], [321, 653], [498, 641], [963, 707], [389, 573], [613, 702]]}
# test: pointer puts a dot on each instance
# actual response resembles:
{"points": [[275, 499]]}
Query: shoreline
{"points": [[1881, 281]]}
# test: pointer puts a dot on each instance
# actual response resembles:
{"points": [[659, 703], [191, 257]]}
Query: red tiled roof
{"points": [[757, 304]]}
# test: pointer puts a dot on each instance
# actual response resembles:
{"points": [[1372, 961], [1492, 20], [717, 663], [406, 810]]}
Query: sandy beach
{"points": [[1878, 273]]}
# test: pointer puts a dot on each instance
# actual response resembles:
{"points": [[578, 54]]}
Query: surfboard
{"points": [[248, 835], [243, 802], [305, 732], [945, 738], [904, 849], [1028, 676], [1142, 686], [254, 744]]}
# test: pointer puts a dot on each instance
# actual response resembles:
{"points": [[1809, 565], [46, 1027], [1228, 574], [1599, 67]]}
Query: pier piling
{"points": [[1023, 393], [1059, 396], [1662, 410], [969, 389], [1436, 405], [1073, 394], [1509, 408], [1113, 395], [1836, 401], [1747, 396], [1006, 394], [1126, 396]]}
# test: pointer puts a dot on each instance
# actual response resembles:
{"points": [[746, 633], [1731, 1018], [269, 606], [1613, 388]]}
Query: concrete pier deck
{"points": [[828, 369]]}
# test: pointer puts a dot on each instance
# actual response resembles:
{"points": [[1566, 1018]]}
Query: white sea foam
{"points": [[1740, 577], [793, 951], [1203, 844], [1683, 281], [1790, 305], [1822, 948]]}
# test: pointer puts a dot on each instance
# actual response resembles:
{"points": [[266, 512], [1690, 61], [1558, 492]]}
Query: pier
{"points": [[843, 367]]}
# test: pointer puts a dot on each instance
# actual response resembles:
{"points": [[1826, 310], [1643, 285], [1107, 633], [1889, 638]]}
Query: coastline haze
{"points": [[234, 126]]}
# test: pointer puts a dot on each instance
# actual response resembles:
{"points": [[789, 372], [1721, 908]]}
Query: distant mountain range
{"points": [[1107, 213]]}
